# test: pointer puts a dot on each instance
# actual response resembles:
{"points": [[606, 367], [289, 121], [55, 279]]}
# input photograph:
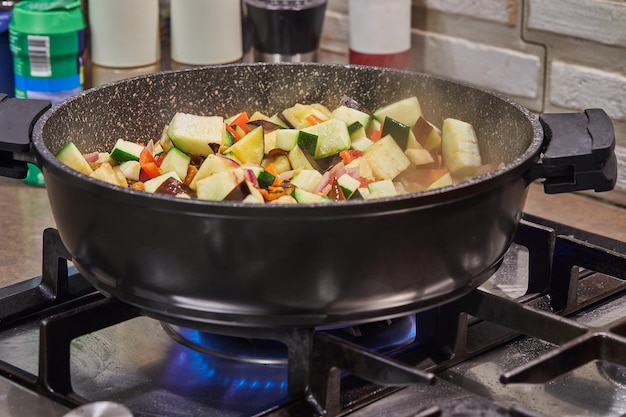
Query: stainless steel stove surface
{"points": [[545, 336]]}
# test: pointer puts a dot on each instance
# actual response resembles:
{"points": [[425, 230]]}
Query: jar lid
{"points": [[47, 17]]}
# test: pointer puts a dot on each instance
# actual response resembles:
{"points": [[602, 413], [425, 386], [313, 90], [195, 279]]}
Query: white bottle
{"points": [[125, 38], [380, 32], [206, 32]]}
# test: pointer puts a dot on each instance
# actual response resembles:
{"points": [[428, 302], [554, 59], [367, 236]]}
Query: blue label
{"points": [[5, 18], [50, 85]]}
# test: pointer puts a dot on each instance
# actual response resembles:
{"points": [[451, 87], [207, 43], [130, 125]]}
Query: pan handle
{"points": [[579, 152], [17, 118]]}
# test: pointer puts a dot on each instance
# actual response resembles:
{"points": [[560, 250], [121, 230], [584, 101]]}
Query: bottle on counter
{"points": [[7, 85], [125, 39], [205, 32], [285, 30], [380, 33], [47, 41]]}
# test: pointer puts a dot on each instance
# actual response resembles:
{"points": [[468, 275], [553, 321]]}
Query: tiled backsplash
{"points": [[548, 55]]}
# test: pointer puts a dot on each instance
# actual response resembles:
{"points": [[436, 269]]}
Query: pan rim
{"points": [[513, 169]]}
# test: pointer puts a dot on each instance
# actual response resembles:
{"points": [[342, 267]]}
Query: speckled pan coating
{"points": [[203, 263]]}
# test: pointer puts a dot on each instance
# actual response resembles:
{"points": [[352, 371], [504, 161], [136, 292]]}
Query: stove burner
{"points": [[382, 336]]}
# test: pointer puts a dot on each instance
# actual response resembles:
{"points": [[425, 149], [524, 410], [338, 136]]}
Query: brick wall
{"points": [[548, 55]]}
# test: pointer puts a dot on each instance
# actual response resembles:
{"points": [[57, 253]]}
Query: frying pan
{"points": [[202, 263]]}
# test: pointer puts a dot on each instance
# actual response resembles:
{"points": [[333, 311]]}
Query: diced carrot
{"points": [[241, 121], [313, 120], [233, 132], [350, 155], [377, 134], [271, 168]]}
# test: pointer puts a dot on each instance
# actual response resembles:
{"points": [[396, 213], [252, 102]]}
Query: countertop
{"points": [[25, 213]]}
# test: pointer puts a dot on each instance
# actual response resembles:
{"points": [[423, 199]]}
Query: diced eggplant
{"points": [[266, 124], [172, 186]]}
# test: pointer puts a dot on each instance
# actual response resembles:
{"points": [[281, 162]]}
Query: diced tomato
{"points": [[350, 155], [148, 163]]}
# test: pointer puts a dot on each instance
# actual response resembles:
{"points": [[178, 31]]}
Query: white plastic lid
{"points": [[124, 33]]}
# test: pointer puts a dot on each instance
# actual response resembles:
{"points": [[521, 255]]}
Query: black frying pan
{"points": [[199, 262]]}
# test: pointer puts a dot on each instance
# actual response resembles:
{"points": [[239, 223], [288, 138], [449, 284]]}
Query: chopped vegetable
{"points": [[306, 154]]}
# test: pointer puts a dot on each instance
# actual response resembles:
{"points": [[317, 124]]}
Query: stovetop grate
{"points": [[68, 307]]}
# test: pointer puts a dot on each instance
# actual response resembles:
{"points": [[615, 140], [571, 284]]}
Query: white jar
{"points": [[206, 32], [380, 32], [125, 39], [124, 33]]}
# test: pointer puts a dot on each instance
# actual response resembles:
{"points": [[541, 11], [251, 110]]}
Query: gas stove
{"points": [[545, 336]]}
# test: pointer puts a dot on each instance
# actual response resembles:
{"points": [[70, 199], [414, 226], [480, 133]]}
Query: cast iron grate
{"points": [[68, 307]]}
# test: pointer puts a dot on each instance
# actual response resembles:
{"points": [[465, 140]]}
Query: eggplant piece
{"points": [[267, 125], [336, 193], [238, 193], [172, 186], [353, 104]]}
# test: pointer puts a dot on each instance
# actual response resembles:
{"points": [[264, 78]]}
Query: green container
{"points": [[47, 40]]}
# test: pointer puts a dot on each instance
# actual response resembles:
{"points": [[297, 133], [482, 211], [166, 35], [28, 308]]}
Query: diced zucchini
{"points": [[286, 139], [211, 165], [381, 189], [399, 131], [348, 185], [356, 131], [459, 148], [356, 120], [374, 126], [332, 137], [361, 144], [405, 111], [298, 159], [249, 149], [386, 158], [217, 186], [263, 177], [308, 142], [306, 197], [419, 156], [152, 184], [177, 161], [73, 158], [105, 173], [131, 169], [307, 179], [125, 150], [194, 134], [228, 138]]}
